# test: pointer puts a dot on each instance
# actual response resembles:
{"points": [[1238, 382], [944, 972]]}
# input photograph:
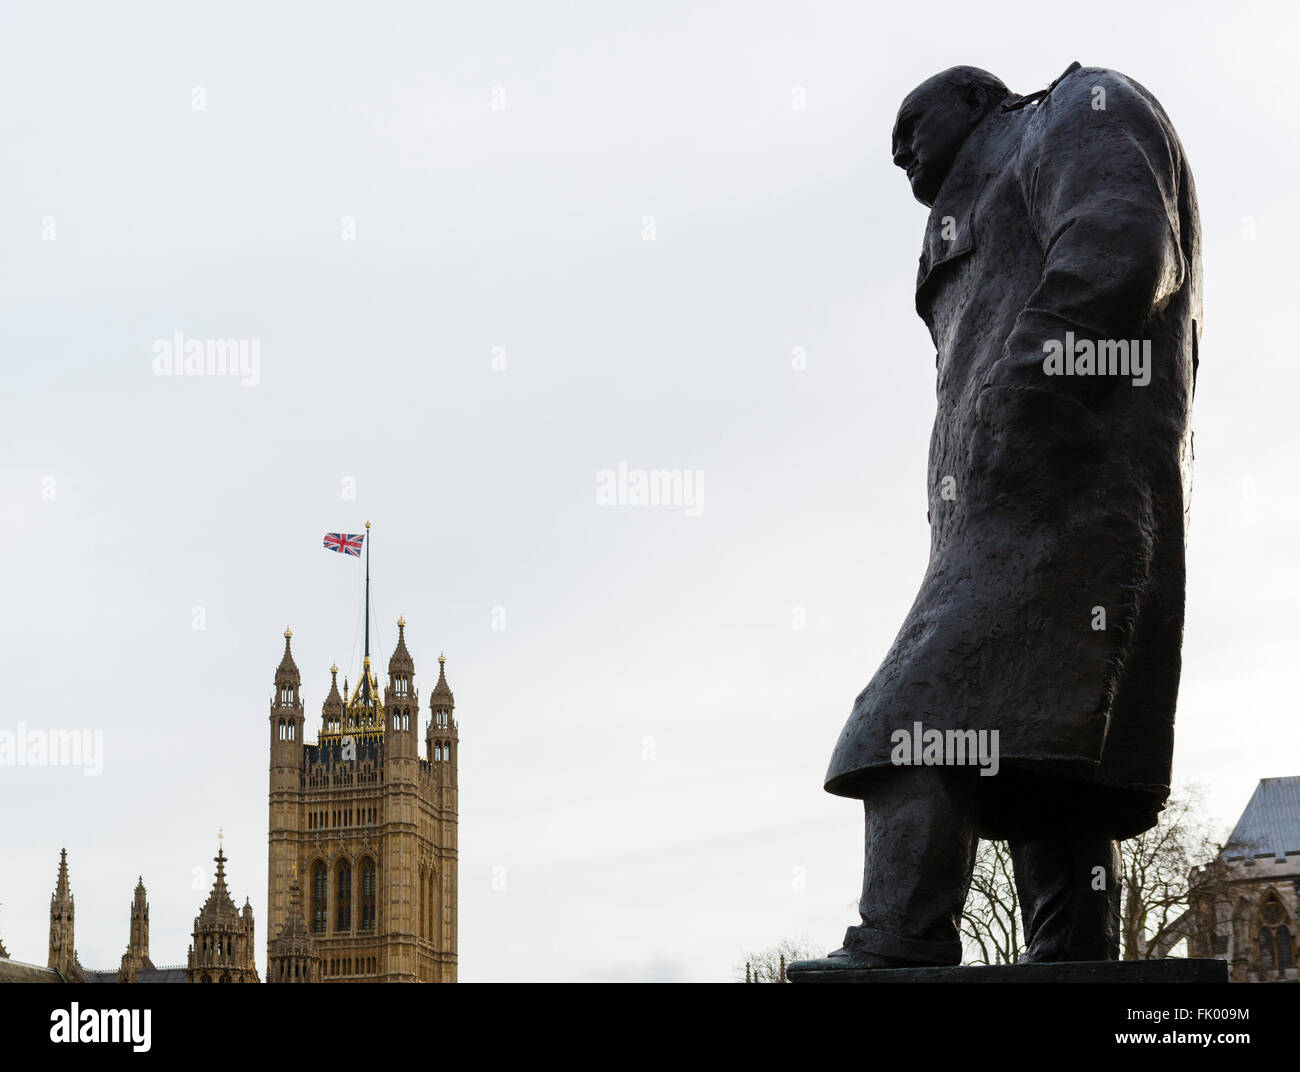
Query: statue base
{"points": [[1189, 970]]}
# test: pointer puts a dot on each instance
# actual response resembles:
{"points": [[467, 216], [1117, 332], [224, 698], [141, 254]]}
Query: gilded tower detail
{"points": [[367, 824]]}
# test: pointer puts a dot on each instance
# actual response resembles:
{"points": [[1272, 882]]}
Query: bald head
{"points": [[935, 120]]}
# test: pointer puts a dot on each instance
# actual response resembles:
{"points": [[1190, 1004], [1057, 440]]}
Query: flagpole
{"points": [[367, 589]]}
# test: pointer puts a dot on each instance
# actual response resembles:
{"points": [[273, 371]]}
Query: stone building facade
{"points": [[367, 822], [1247, 903]]}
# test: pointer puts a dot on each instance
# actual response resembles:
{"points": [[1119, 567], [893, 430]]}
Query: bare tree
{"points": [[768, 965], [1156, 909], [990, 924], [1174, 880]]}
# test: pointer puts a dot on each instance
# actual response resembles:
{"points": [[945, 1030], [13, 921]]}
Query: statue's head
{"points": [[935, 120]]}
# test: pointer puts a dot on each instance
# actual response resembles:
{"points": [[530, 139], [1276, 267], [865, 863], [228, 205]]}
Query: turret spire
{"points": [[332, 708], [287, 678], [442, 696], [137, 951], [63, 944], [61, 891], [287, 665], [222, 951]]}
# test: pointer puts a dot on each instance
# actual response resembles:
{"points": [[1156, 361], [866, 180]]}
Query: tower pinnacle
{"points": [[61, 890]]}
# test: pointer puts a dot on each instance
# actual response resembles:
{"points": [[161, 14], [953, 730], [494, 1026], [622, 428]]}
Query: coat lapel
{"points": [[949, 232]]}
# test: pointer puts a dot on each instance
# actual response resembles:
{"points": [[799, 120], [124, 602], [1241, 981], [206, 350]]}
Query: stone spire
{"points": [[222, 951], [401, 703], [287, 671], [440, 740], [63, 950], [292, 956], [401, 663], [286, 710], [138, 947], [331, 713], [62, 890], [288, 681], [442, 696]]}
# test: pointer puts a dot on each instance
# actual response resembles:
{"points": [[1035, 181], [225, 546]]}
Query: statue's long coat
{"points": [[1053, 500]]}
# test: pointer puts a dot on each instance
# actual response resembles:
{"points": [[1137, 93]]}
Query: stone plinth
{"points": [[1083, 971]]}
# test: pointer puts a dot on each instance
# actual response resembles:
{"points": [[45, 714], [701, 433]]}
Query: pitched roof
{"points": [[163, 975], [173, 974], [15, 971], [1270, 825]]}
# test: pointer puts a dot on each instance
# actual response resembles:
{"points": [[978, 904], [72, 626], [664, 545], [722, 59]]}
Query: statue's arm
{"points": [[1100, 189]]}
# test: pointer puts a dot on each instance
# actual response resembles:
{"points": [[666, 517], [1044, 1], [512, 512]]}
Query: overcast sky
{"points": [[488, 251]]}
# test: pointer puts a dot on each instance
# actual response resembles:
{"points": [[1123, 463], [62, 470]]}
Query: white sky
{"points": [[522, 228]]}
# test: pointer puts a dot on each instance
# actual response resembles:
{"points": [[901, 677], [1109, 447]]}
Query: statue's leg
{"points": [[1068, 885], [920, 851]]}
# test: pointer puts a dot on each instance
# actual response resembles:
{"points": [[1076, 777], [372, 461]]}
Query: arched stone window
{"points": [[1275, 947], [319, 895], [1282, 937], [420, 902], [343, 896], [367, 894]]}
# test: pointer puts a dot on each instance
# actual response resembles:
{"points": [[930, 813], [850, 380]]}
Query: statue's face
{"points": [[932, 125]]}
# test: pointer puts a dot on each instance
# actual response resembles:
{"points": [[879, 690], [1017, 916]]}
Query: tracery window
{"points": [[1275, 946], [367, 894], [343, 896], [319, 892]]}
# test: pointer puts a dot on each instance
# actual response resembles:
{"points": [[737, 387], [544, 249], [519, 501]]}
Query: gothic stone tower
{"points": [[370, 823], [63, 950], [136, 957], [223, 937]]}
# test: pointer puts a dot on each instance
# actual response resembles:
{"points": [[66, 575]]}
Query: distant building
{"points": [[222, 936], [369, 823], [360, 815], [1247, 902]]}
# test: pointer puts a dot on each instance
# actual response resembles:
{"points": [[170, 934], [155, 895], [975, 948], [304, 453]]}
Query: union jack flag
{"points": [[345, 543]]}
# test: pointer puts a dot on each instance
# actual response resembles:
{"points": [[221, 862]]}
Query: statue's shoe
{"points": [[843, 960]]}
